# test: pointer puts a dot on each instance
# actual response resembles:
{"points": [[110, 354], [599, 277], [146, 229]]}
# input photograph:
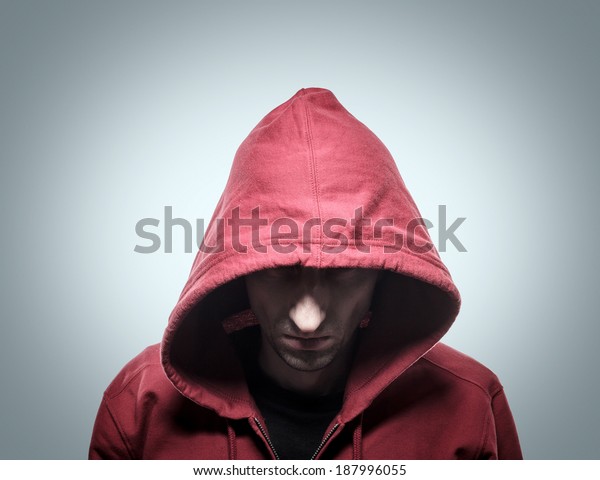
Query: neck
{"points": [[329, 379]]}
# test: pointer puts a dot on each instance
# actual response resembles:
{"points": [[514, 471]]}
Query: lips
{"points": [[308, 343]]}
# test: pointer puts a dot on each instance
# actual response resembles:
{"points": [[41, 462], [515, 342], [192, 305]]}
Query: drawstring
{"points": [[232, 442], [357, 439]]}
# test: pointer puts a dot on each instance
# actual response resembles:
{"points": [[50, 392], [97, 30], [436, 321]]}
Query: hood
{"points": [[310, 185]]}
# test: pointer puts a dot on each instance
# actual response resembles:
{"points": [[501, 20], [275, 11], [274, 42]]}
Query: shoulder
{"points": [[463, 369], [143, 371]]}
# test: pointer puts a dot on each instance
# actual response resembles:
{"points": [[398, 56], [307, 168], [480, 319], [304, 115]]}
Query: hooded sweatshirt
{"points": [[311, 185]]}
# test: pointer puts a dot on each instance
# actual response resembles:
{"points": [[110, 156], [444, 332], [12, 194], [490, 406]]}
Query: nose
{"points": [[307, 314]]}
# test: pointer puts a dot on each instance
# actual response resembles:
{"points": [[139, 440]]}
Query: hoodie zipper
{"points": [[262, 430], [272, 447], [325, 440]]}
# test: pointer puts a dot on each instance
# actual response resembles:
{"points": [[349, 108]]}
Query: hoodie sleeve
{"points": [[501, 441], [108, 442]]}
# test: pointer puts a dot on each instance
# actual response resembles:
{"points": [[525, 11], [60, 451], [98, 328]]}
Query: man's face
{"points": [[308, 316]]}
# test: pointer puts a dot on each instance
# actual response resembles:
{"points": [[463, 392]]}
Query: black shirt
{"points": [[296, 422]]}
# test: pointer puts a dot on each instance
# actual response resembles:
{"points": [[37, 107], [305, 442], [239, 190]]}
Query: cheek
{"points": [[265, 302], [351, 304]]}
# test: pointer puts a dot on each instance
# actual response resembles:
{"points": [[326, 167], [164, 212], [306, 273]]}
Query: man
{"points": [[310, 324]]}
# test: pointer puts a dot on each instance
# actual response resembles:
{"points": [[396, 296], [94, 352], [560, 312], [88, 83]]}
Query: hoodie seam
{"points": [[489, 413], [498, 392], [133, 377], [118, 427], [314, 180], [481, 387], [484, 434]]}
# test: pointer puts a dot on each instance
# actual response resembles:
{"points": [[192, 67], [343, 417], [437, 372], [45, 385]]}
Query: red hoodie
{"points": [[310, 163]]}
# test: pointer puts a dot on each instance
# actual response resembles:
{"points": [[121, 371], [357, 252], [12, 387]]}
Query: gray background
{"points": [[110, 111]]}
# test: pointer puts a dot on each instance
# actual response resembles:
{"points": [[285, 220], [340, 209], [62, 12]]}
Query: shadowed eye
{"points": [[344, 273], [294, 271], [282, 272]]}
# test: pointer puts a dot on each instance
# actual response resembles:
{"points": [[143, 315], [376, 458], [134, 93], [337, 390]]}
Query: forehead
{"points": [[301, 272]]}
